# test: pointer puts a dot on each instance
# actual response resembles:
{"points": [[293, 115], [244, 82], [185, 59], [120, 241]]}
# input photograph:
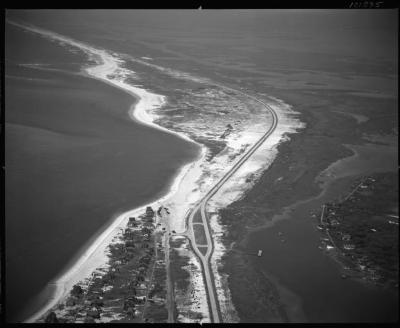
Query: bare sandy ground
{"points": [[190, 184]]}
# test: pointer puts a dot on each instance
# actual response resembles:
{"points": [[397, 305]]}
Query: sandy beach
{"points": [[120, 125], [190, 184], [96, 255]]}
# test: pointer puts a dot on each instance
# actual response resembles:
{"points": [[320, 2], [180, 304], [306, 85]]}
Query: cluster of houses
{"points": [[333, 222], [340, 232], [88, 307], [146, 225], [92, 302], [347, 245]]}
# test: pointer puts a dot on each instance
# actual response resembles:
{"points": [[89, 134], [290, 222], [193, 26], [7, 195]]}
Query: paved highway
{"points": [[202, 205]]}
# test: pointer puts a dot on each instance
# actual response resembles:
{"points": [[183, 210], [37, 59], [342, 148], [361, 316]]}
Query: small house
{"points": [[140, 299], [349, 246], [346, 237], [159, 210], [149, 212]]}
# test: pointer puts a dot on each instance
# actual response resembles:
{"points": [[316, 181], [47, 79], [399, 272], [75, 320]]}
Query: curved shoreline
{"points": [[82, 267], [109, 70], [107, 64]]}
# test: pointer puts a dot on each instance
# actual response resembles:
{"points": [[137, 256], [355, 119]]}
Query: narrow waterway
{"points": [[312, 275]]}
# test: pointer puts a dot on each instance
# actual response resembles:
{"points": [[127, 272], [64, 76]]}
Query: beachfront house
{"points": [[149, 212]]}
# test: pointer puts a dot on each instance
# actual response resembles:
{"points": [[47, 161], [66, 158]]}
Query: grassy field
{"points": [[199, 234], [197, 217]]}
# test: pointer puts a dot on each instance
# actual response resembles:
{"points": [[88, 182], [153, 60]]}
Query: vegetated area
{"points": [[203, 250], [292, 175], [180, 276], [199, 234], [156, 310], [131, 289], [183, 280], [365, 228], [197, 217]]}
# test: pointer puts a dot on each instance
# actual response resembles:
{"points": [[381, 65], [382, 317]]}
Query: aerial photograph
{"points": [[201, 165]]}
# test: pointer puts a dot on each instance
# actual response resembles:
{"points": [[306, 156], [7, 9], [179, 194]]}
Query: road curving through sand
{"points": [[205, 259]]}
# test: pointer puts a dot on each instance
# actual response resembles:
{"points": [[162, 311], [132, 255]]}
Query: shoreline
{"points": [[108, 64], [143, 101], [298, 204], [82, 267]]}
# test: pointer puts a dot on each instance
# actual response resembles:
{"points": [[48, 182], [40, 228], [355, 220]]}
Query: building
{"points": [[140, 299], [149, 212], [335, 222], [349, 246], [346, 237]]}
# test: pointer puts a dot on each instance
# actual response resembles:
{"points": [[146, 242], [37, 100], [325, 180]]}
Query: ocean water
{"points": [[302, 268], [74, 159], [73, 156]]}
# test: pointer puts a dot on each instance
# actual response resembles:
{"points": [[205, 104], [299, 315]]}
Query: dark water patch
{"points": [[24, 47], [325, 296], [73, 159]]}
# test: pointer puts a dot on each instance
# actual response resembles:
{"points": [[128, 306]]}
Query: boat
{"points": [[259, 252]]}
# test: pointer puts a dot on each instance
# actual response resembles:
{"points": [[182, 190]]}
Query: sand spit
{"points": [[109, 70], [194, 179]]}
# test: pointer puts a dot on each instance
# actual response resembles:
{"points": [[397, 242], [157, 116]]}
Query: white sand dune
{"points": [[190, 184], [108, 70]]}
